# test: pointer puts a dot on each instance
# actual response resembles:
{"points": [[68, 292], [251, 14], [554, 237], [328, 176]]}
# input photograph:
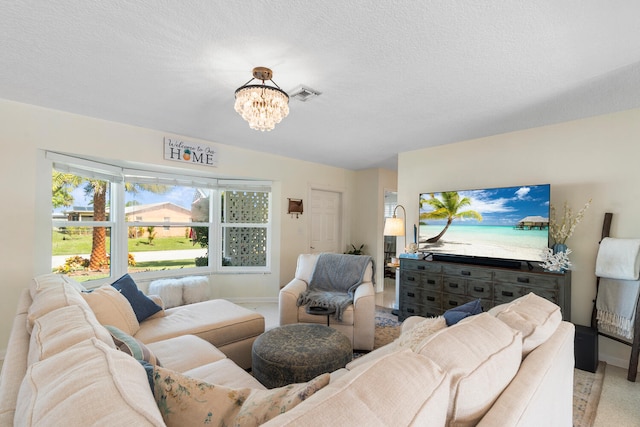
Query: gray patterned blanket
{"points": [[334, 280]]}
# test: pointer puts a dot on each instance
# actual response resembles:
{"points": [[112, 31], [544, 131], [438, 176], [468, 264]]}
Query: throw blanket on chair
{"points": [[334, 280]]}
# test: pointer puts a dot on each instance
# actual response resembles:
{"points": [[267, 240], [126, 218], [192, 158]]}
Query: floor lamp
{"points": [[395, 227]]}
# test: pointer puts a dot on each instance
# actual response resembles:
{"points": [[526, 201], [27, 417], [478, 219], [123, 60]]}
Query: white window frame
{"points": [[247, 186], [117, 176]]}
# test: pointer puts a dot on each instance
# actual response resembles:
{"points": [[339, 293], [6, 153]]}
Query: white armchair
{"points": [[358, 320]]}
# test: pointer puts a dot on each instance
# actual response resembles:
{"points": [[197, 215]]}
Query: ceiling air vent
{"points": [[303, 93]]}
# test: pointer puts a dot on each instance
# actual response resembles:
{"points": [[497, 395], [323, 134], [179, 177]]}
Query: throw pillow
{"points": [[536, 317], [185, 401], [112, 308], [456, 314], [414, 337], [132, 346], [142, 305], [170, 290], [194, 289]]}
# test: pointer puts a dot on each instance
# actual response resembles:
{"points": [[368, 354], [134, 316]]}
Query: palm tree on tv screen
{"points": [[448, 208]]}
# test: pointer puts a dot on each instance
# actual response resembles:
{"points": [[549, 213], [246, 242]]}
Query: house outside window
{"points": [[132, 223]]}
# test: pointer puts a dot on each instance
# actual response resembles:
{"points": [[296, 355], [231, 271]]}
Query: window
{"points": [[244, 222], [155, 224]]}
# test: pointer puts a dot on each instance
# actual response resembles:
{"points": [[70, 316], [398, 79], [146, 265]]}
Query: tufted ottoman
{"points": [[298, 353]]}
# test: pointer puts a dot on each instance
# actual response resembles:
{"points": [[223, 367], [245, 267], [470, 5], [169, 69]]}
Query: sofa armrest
{"points": [[287, 301], [364, 316], [365, 289]]}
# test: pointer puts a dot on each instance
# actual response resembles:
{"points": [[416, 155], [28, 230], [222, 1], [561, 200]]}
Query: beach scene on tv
{"points": [[506, 223]]}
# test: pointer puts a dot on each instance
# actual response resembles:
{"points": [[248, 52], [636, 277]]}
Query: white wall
{"points": [[596, 158], [368, 215], [27, 129]]}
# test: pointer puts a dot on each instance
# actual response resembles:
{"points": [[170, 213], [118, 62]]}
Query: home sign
{"points": [[190, 152]]}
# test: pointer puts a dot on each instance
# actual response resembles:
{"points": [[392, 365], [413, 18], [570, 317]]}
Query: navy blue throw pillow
{"points": [[142, 305], [454, 315]]}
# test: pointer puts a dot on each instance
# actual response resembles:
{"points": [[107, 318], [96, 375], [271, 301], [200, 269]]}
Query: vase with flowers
{"points": [[561, 229]]}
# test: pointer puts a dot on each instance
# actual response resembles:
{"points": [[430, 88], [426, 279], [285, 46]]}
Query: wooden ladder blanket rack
{"points": [[635, 343]]}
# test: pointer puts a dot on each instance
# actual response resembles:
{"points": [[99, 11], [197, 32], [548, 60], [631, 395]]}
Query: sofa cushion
{"points": [[194, 352], [44, 281], [185, 401], [51, 298], [112, 308], [157, 300], [89, 381], [456, 314], [410, 338], [133, 347], [399, 389], [142, 305], [482, 355], [537, 318], [62, 328], [219, 322], [225, 372]]}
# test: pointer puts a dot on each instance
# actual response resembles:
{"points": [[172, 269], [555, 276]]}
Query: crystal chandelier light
{"points": [[261, 105]]}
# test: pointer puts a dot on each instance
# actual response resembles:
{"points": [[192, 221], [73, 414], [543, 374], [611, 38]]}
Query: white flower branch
{"points": [[556, 262], [560, 231]]}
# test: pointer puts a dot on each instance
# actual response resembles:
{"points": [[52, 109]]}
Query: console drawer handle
{"points": [[453, 285], [411, 294], [410, 310], [478, 289], [465, 273], [507, 294], [523, 280], [421, 267], [431, 281], [431, 299], [411, 279], [453, 303]]}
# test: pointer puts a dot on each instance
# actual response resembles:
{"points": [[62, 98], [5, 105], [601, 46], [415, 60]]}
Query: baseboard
{"points": [[615, 361]]}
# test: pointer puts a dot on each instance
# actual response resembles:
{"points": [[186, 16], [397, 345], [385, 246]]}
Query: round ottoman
{"points": [[298, 353]]}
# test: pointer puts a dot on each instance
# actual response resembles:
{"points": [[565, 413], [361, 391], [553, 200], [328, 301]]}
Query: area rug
{"points": [[387, 327], [587, 386]]}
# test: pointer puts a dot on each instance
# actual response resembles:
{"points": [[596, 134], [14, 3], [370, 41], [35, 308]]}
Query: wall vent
{"points": [[303, 93]]}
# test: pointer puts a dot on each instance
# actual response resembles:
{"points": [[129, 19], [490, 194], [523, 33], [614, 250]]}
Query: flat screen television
{"points": [[494, 226]]}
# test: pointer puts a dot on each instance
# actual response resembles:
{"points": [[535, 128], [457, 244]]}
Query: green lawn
{"points": [[65, 244]]}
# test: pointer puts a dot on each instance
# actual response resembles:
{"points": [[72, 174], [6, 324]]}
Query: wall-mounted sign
{"points": [[190, 152]]}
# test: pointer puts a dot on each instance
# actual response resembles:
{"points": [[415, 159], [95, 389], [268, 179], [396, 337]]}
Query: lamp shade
{"points": [[394, 227]]}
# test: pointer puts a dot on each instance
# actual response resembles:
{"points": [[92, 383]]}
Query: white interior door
{"points": [[326, 220]]}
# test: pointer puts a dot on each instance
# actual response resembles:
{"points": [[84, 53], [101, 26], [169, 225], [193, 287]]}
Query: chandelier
{"points": [[261, 105]]}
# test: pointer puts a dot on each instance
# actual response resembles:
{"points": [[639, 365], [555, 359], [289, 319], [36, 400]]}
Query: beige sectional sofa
{"points": [[512, 366]]}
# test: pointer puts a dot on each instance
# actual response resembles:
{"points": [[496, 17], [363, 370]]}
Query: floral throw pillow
{"points": [[185, 401]]}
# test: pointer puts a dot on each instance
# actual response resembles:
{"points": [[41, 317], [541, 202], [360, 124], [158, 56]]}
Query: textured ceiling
{"points": [[394, 75]]}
